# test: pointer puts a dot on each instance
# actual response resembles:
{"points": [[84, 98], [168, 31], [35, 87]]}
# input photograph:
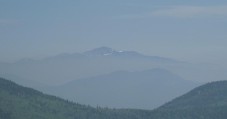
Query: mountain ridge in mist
{"points": [[123, 89], [67, 67]]}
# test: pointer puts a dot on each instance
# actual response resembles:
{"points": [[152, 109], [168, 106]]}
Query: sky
{"points": [[192, 30]]}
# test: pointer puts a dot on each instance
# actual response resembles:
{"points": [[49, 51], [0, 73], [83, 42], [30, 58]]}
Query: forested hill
{"points": [[205, 102], [208, 101], [209, 95], [17, 102]]}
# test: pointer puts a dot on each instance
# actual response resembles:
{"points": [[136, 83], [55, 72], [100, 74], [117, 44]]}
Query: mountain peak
{"points": [[101, 51]]}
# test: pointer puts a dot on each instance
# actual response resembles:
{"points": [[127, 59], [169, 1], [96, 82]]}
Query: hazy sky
{"points": [[193, 30]]}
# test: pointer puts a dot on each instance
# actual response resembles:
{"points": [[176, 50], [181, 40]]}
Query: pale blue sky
{"points": [[192, 30]]}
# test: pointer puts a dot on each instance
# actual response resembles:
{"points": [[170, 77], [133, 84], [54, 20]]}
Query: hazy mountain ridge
{"points": [[146, 89], [67, 67], [109, 52], [59, 69]]}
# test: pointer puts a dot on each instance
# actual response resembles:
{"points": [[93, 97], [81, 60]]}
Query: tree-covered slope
{"points": [[17, 102], [209, 95], [208, 101]]}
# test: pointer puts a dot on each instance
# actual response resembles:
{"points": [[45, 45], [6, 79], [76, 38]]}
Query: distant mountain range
{"points": [[109, 52], [142, 89], [109, 73], [205, 102], [120, 89], [63, 68]]}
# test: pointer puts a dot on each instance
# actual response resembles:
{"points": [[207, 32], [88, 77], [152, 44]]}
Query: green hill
{"points": [[209, 95], [17, 102], [208, 101]]}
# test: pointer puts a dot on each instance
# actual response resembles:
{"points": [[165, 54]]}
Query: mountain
{"points": [[208, 101], [146, 89], [17, 102], [65, 67], [26, 82], [102, 51], [209, 95], [109, 52]]}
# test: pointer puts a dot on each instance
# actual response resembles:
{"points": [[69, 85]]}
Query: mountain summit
{"points": [[101, 51], [106, 51]]}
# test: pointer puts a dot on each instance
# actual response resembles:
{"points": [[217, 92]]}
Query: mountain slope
{"points": [[26, 82], [146, 89], [211, 94], [17, 102], [208, 101]]}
